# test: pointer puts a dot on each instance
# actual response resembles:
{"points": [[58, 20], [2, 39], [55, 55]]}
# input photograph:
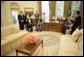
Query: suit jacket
{"points": [[77, 22], [25, 19], [20, 18], [30, 23]]}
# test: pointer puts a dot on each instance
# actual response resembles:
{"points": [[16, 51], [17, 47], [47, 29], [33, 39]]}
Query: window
{"points": [[59, 8], [74, 7], [45, 11]]}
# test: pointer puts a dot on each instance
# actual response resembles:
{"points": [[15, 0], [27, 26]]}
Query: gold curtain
{"points": [[40, 8], [67, 7], [52, 5]]}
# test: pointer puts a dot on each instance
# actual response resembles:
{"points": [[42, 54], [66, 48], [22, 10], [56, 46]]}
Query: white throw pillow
{"points": [[76, 34]]}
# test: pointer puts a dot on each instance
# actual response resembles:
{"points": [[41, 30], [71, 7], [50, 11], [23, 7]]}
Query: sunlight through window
{"points": [[59, 8], [45, 11]]}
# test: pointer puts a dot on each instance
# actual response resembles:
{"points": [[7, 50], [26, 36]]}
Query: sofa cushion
{"points": [[13, 37], [11, 42], [65, 38], [11, 30], [80, 43], [76, 34], [4, 32], [5, 49], [16, 29], [81, 36]]}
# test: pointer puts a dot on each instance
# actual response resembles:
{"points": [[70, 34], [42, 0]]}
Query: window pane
{"points": [[74, 7], [59, 8], [45, 11]]}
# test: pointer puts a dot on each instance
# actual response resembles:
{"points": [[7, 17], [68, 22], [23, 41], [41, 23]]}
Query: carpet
{"points": [[48, 39]]}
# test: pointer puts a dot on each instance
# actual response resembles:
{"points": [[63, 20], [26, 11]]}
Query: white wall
{"points": [[5, 14]]}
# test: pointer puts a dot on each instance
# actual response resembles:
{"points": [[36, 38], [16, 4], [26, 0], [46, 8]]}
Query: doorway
{"points": [[14, 7], [15, 16]]}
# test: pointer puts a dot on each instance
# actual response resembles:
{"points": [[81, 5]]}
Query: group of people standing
{"points": [[71, 25], [25, 21]]}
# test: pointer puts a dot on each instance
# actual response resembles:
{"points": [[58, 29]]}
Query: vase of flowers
{"points": [[30, 39]]}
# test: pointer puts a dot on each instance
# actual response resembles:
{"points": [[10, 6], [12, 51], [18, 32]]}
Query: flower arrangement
{"points": [[29, 39]]}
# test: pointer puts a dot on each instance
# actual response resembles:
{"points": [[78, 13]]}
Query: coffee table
{"points": [[28, 49]]}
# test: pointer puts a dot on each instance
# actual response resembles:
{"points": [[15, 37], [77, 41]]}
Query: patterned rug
{"points": [[48, 39]]}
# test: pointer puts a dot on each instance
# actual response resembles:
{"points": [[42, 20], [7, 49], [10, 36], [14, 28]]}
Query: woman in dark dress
{"points": [[77, 21]]}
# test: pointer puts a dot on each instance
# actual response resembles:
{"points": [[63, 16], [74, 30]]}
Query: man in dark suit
{"points": [[29, 24], [77, 21], [21, 21], [25, 20]]}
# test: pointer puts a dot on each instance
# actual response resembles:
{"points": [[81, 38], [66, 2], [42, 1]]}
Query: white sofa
{"points": [[11, 38], [71, 45]]}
